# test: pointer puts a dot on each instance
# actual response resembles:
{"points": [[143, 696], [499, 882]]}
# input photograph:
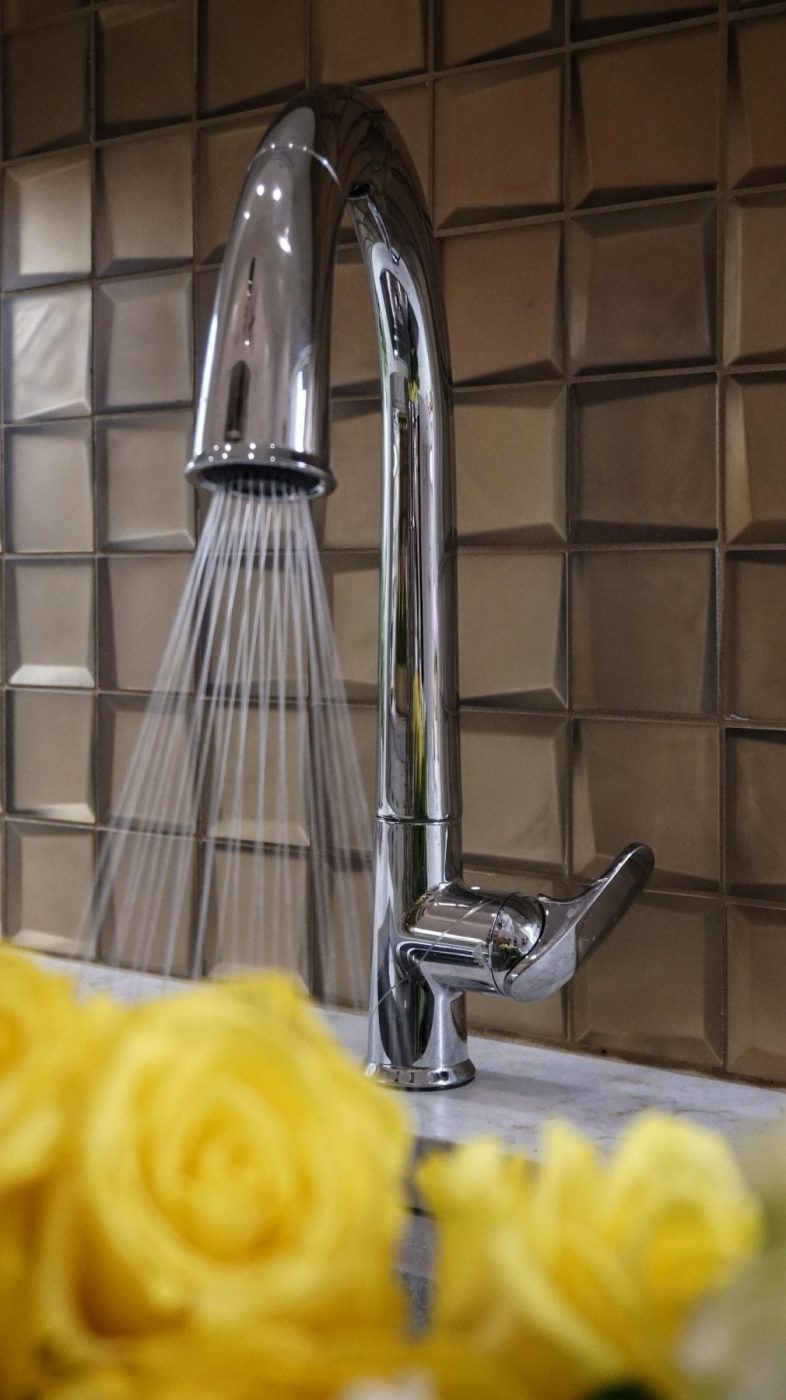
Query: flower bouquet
{"points": [[203, 1198]]}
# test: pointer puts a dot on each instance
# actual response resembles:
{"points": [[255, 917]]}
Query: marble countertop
{"points": [[517, 1086]]}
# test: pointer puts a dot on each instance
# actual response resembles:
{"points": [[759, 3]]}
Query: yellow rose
{"points": [[582, 1273], [231, 1168]]}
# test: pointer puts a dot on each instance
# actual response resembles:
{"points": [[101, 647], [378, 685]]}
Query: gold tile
{"points": [[146, 782], [250, 54], [755, 660], [49, 489], [643, 287], [342, 954], [757, 106], [47, 220], [510, 465], [756, 813], [352, 517], [755, 325], [139, 599], [467, 31], [354, 360], [626, 92], [756, 1024], [513, 780], [503, 299], [50, 755], [755, 481], [143, 342], [356, 40], [604, 16], [512, 630], [49, 622], [640, 781], [155, 928], [144, 203], [256, 781], [144, 64], [47, 344], [223, 155], [352, 583], [50, 877], [410, 108], [45, 86], [643, 632], [258, 912], [487, 165], [654, 987], [144, 500], [645, 460]]}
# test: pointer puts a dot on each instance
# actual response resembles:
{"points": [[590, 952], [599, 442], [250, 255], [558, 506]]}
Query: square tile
{"points": [[534, 1020], [512, 630], [672, 804], [149, 927], [144, 64], [144, 198], [49, 622], [504, 303], [757, 104], [513, 777], [250, 53], [356, 40], [50, 878], [756, 939], [603, 16], [352, 584], [143, 498], [257, 775], [466, 31], [343, 958], [643, 633], [47, 339], [54, 60], [643, 288], [487, 165], [352, 516], [223, 156], [146, 763], [49, 489], [17, 13], [354, 354], [510, 465], [205, 286], [645, 460], [755, 326], [139, 599], [755, 632], [143, 340], [755, 481], [755, 813], [50, 755], [47, 220], [654, 987], [624, 93], [247, 894], [410, 108]]}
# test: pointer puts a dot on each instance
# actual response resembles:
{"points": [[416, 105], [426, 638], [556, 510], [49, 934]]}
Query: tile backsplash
{"points": [[607, 180]]}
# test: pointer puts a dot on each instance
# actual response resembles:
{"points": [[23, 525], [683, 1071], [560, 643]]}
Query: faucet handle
{"points": [[571, 929]]}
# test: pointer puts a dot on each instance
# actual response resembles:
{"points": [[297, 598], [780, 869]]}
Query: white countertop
{"points": [[517, 1086]]}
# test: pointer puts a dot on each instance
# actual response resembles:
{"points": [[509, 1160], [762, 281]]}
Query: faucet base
{"points": [[412, 1077]]}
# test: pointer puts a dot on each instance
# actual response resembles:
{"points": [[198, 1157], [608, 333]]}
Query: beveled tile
{"points": [[352, 516], [256, 784], [46, 220], [146, 781], [504, 303], [143, 498], [51, 60], [17, 13], [487, 165], [143, 342], [467, 31], [512, 630], [354, 357], [640, 781], [410, 108], [50, 876], [604, 16], [352, 584], [139, 599], [654, 988], [510, 465], [50, 755], [49, 489], [756, 813], [643, 287], [645, 460], [626, 92], [754, 636], [223, 155], [245, 924], [144, 203], [343, 956], [534, 1020], [250, 53], [757, 105], [756, 939], [144, 64], [513, 782], [46, 339], [364, 726], [49, 622], [643, 631], [355, 40], [755, 481], [755, 326], [205, 285], [163, 945]]}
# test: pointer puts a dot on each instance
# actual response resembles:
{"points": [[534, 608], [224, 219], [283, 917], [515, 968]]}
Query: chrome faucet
{"points": [[263, 416]]}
